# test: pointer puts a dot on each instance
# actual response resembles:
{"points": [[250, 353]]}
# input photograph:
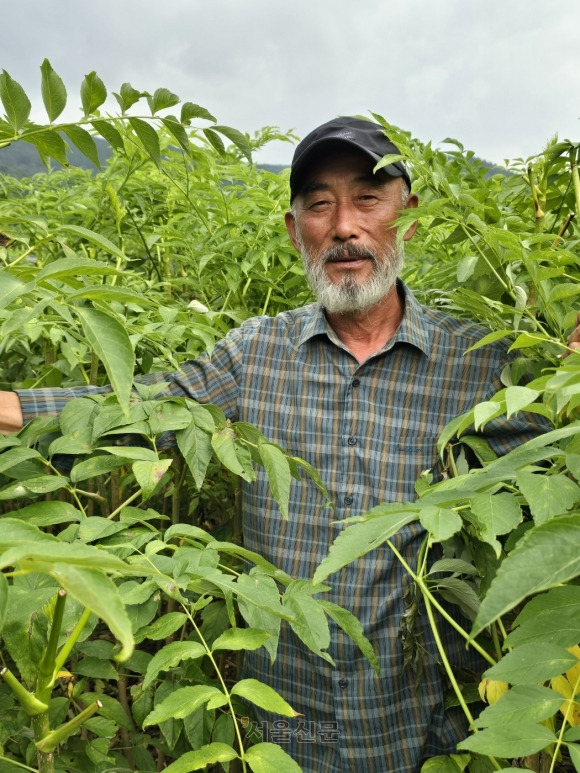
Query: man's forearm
{"points": [[10, 413]]}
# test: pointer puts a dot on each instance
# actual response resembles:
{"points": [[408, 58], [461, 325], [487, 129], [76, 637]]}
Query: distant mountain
{"points": [[22, 160]]}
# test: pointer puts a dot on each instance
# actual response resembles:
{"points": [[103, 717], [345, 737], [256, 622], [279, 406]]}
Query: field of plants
{"points": [[127, 598]]}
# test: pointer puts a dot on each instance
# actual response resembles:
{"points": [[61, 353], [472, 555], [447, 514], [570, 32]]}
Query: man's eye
{"points": [[319, 204]]}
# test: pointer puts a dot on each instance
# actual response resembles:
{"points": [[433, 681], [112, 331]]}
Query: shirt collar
{"points": [[415, 328]]}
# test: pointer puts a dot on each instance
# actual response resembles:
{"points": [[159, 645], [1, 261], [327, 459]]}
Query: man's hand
{"points": [[574, 337], [10, 413]]}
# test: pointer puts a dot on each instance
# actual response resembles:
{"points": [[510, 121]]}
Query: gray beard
{"points": [[348, 295]]}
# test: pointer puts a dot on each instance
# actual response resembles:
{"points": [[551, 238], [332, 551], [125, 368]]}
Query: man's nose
{"points": [[345, 222]]}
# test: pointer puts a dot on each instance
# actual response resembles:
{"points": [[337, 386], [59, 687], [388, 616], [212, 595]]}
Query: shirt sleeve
{"points": [[211, 378]]}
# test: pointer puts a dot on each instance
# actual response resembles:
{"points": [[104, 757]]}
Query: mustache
{"points": [[340, 251]]}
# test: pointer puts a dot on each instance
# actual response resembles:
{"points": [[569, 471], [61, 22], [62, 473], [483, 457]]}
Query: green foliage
{"points": [[125, 598]]}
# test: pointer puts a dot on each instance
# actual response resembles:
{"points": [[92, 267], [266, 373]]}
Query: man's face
{"points": [[340, 224]]}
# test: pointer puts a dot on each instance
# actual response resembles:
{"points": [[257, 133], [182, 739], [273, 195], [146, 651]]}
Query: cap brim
{"points": [[301, 164]]}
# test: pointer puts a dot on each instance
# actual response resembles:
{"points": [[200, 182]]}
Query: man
{"points": [[360, 384]]}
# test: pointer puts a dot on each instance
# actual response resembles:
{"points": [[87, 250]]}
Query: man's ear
{"points": [[291, 228], [412, 203]]}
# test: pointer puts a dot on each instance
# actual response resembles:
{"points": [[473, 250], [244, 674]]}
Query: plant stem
{"points": [[29, 702], [46, 668], [125, 503], [428, 595], [224, 688], [576, 179], [66, 648]]}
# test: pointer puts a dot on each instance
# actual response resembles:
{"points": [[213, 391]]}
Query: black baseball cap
{"points": [[365, 135]]}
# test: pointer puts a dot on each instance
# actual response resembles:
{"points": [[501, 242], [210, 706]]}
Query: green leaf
{"points": [[149, 474], [239, 140], [53, 91], [161, 99], [132, 452], [278, 471], [493, 514], [532, 663], [49, 144], [170, 656], [552, 616], [195, 446], [48, 513], [93, 93], [545, 557], [262, 617], [240, 639], [440, 522], [97, 592], [10, 288], [548, 495], [215, 141], [84, 142], [309, 622], [351, 625], [128, 96], [264, 696], [519, 397], [97, 465], [180, 703], [459, 592], [357, 540], [509, 740], [148, 137], [574, 751], [16, 456], [440, 765], [94, 238], [111, 343], [176, 129], [466, 267], [163, 626], [270, 758], [206, 755], [190, 110], [523, 703], [15, 102], [231, 454], [106, 130]]}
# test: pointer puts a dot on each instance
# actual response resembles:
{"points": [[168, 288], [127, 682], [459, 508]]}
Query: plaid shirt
{"points": [[370, 430]]}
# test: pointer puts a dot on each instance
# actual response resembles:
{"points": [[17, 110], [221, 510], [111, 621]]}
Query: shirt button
{"points": [[343, 683], [348, 500], [351, 441], [355, 383]]}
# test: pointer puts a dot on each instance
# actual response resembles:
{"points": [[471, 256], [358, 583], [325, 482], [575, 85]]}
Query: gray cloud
{"points": [[500, 77]]}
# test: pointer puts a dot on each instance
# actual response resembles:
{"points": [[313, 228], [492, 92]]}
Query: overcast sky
{"points": [[502, 76]]}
